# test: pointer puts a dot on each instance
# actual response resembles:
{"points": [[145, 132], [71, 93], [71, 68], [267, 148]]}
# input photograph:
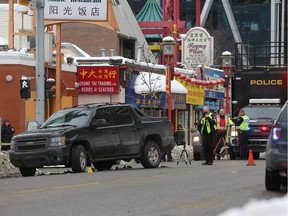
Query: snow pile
{"points": [[6, 168], [275, 206], [178, 150]]}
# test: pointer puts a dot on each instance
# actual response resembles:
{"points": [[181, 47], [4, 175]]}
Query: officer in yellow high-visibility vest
{"points": [[243, 127], [223, 122], [206, 127]]}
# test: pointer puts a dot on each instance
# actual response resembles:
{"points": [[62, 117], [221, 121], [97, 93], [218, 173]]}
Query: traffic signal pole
{"points": [[40, 68]]}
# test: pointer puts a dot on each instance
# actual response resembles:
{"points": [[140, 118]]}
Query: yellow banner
{"points": [[23, 2], [196, 93]]}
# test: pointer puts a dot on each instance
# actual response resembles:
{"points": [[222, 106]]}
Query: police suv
{"points": [[262, 114]]}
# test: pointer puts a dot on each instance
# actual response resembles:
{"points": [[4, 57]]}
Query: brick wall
{"points": [[91, 38]]}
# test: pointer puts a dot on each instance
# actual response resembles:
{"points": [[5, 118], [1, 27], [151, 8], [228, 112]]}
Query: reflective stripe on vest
{"points": [[245, 124]]}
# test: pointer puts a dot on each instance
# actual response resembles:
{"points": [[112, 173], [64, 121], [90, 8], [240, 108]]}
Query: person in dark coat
{"points": [[7, 132], [206, 127]]}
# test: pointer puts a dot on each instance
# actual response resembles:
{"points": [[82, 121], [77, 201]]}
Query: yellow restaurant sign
{"points": [[195, 93], [23, 2]]}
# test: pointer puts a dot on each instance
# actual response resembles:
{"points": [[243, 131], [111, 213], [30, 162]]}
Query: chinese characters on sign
{"points": [[98, 79], [148, 100], [76, 9], [197, 48]]}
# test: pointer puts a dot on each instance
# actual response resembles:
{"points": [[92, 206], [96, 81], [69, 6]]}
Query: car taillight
{"points": [[276, 132], [264, 128]]}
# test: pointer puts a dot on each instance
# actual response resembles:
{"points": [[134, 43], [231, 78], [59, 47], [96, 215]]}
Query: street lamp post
{"points": [[234, 108], [168, 53], [227, 65]]}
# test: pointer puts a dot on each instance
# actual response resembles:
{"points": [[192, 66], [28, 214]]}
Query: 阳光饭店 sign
{"points": [[98, 79]]}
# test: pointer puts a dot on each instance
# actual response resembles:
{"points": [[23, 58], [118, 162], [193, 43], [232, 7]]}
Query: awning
{"points": [[157, 84]]}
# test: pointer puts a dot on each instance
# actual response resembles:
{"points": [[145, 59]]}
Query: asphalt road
{"points": [[168, 190]]}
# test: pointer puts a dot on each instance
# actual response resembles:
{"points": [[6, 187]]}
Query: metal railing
{"points": [[267, 56]]}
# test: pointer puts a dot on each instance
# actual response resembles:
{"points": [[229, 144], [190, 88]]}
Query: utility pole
{"points": [[40, 76]]}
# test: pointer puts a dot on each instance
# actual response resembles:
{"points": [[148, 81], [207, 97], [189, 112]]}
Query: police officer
{"points": [[223, 122], [243, 126], [206, 127]]}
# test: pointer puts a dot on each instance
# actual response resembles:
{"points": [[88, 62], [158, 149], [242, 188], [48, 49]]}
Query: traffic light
{"points": [[226, 83], [49, 91], [25, 88]]}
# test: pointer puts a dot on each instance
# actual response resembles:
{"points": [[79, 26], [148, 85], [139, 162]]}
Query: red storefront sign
{"points": [[98, 79]]}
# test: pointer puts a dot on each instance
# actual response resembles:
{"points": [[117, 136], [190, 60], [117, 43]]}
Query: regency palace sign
{"points": [[198, 47]]}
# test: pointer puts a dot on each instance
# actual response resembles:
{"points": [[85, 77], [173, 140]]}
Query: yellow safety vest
{"points": [[227, 122], [244, 126], [206, 123]]}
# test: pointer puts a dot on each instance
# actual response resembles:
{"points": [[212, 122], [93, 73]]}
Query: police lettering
{"points": [[266, 82]]}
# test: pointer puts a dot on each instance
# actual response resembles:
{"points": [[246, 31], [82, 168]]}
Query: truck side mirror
{"points": [[32, 125], [99, 122]]}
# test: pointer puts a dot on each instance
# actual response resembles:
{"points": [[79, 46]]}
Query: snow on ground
{"points": [[6, 168], [275, 206]]}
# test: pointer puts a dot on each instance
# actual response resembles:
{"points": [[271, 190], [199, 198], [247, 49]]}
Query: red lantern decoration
{"points": [[218, 81], [193, 80], [214, 82], [188, 79], [182, 76], [222, 80], [209, 82], [202, 82], [198, 82], [177, 74]]}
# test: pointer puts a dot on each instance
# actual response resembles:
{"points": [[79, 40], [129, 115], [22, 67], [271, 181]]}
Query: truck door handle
{"points": [[114, 131], [134, 129]]}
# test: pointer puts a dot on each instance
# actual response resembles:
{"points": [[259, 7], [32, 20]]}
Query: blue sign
{"points": [[153, 99], [214, 94]]}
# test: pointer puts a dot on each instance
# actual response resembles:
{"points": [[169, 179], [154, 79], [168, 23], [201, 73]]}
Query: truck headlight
{"points": [[234, 132], [196, 139], [57, 141]]}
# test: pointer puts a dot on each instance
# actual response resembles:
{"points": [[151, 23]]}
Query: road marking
{"points": [[201, 203], [84, 184]]}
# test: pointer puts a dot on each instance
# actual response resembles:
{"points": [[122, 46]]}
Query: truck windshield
{"points": [[68, 118], [262, 112]]}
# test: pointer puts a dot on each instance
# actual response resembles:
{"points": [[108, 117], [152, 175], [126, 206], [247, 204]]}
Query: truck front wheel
{"points": [[151, 155], [78, 159], [25, 172]]}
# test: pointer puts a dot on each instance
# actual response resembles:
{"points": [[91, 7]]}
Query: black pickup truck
{"points": [[99, 134]]}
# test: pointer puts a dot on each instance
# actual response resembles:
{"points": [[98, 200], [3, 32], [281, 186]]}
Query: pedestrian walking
{"points": [[242, 122], [7, 132], [206, 127], [223, 122]]}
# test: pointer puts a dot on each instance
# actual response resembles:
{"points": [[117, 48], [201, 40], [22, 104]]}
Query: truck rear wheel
{"points": [[103, 165], [151, 155], [25, 172], [78, 159]]}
